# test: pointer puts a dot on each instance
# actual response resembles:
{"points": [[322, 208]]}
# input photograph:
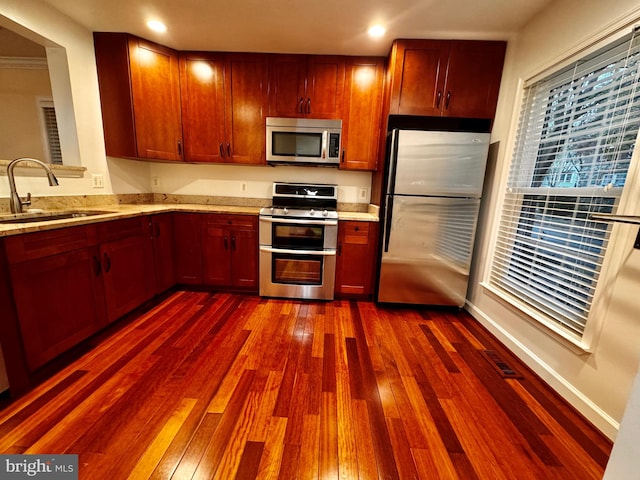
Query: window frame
{"points": [[621, 238]]}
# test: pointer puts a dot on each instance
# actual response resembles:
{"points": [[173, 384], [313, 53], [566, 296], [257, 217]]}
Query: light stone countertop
{"points": [[134, 210]]}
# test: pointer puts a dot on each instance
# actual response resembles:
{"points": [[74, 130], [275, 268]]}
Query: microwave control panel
{"points": [[334, 145]]}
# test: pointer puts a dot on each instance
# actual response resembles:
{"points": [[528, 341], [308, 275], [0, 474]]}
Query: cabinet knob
{"points": [[447, 101], [300, 105], [222, 149], [438, 99], [309, 105]]}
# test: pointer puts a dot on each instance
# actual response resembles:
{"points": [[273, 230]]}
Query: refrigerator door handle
{"points": [[388, 213], [393, 160]]}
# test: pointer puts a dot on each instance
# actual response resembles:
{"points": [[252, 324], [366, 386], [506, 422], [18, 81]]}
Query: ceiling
{"points": [[302, 26]]}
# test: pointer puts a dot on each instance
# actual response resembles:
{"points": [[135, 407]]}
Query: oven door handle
{"points": [[328, 223], [325, 253]]}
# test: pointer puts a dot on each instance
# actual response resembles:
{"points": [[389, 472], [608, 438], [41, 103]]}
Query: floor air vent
{"points": [[499, 364]]}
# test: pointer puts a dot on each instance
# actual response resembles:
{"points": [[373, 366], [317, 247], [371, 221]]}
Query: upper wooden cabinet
{"points": [[224, 104], [306, 86], [140, 97], [362, 109], [456, 78]]}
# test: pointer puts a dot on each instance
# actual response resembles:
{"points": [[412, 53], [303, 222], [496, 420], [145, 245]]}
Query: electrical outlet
{"points": [[363, 194], [244, 187], [97, 180], [155, 182]]}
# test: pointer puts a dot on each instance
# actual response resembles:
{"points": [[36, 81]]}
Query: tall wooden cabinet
{"points": [[306, 86], [140, 97], [224, 105], [362, 111], [458, 78]]}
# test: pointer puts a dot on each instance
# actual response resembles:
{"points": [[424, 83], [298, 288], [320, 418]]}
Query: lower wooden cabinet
{"points": [[59, 302], [128, 273], [163, 251], [230, 250], [355, 265], [188, 249]]}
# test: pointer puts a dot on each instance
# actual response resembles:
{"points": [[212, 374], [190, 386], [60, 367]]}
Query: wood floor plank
{"points": [[206, 384]]}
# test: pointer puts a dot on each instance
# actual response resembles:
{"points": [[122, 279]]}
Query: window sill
{"points": [[25, 169], [573, 343]]}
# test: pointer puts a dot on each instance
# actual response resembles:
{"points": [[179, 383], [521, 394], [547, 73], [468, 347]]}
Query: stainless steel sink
{"points": [[32, 217]]}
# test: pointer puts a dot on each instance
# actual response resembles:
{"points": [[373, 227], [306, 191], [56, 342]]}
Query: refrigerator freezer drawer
{"points": [[426, 251], [439, 163]]}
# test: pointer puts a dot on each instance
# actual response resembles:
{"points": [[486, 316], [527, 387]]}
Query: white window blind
{"points": [[576, 135], [51, 134]]}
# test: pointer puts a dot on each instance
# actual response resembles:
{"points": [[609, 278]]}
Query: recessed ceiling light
{"points": [[157, 26], [377, 30]]}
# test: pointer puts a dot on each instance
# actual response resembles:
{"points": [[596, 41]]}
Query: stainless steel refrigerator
{"points": [[430, 210]]}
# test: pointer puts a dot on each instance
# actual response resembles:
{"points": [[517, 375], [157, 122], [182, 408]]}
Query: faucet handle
{"points": [[26, 201]]}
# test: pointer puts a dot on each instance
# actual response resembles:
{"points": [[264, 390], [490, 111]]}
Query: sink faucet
{"points": [[16, 202]]}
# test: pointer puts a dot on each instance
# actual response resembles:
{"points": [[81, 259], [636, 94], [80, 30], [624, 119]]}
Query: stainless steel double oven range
{"points": [[298, 238]]}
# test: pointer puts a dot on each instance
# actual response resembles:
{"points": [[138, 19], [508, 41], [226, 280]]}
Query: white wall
{"points": [[597, 384], [20, 123]]}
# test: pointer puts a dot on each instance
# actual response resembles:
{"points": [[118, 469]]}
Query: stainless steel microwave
{"points": [[302, 141]]}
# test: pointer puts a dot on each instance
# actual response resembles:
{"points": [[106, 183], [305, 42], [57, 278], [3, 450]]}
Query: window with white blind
{"points": [[576, 135], [50, 131]]}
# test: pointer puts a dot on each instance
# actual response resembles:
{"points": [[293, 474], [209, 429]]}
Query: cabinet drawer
{"points": [[128, 227], [356, 232], [31, 246], [233, 220]]}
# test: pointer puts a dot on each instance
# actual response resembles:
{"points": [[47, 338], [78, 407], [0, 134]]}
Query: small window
{"points": [[50, 132]]}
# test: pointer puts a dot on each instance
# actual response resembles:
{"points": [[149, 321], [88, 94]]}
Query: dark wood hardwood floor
{"points": [[216, 385]]}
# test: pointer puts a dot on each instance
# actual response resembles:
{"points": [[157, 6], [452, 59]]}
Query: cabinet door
{"points": [[287, 95], [59, 301], [203, 107], [162, 228], [216, 252], [324, 93], [356, 258], [187, 246], [246, 108], [473, 78], [363, 103], [418, 69], [244, 258], [156, 100], [128, 273]]}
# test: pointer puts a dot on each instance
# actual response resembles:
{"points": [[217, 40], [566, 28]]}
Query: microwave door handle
{"points": [[325, 139]]}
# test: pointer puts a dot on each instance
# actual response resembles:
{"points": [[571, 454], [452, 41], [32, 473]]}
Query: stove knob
{"points": [[286, 210], [272, 210], [312, 212], [325, 213]]}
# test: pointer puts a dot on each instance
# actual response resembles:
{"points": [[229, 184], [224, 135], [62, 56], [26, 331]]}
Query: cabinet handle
{"points": [[222, 149], [157, 230], [438, 98], [447, 101], [97, 265], [228, 150], [309, 105], [233, 243], [300, 105], [179, 148], [343, 154], [226, 242], [107, 263], [339, 249]]}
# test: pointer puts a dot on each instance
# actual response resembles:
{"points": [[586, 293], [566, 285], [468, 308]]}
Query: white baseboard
{"points": [[598, 417]]}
